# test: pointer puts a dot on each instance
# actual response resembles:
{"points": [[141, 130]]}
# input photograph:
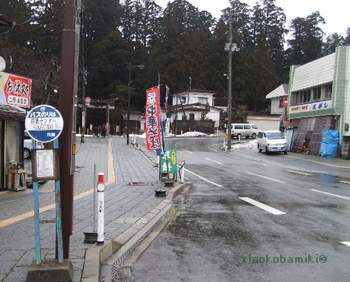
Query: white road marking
{"points": [[345, 182], [204, 179], [110, 172], [330, 194], [299, 172], [214, 161], [262, 206], [188, 151], [266, 177], [346, 243]]}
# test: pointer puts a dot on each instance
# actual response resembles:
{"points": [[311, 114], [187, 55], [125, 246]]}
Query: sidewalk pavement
{"points": [[126, 201]]}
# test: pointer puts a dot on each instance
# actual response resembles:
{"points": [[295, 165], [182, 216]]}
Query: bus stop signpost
{"points": [[44, 124]]}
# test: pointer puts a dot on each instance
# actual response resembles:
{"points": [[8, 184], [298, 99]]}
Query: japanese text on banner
{"points": [[152, 119]]}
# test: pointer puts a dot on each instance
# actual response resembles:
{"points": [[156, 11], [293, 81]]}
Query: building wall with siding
{"points": [[317, 72], [265, 123], [275, 106]]}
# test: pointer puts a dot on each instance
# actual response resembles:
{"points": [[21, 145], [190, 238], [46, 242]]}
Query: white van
{"points": [[272, 141], [247, 130]]}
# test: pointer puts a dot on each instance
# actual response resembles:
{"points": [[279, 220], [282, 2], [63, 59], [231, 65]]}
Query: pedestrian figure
{"points": [[104, 131]]}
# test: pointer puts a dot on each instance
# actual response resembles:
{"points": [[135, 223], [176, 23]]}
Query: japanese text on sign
{"points": [[152, 119], [15, 90], [44, 123]]}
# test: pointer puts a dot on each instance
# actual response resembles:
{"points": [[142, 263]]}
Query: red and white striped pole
{"points": [[100, 208]]}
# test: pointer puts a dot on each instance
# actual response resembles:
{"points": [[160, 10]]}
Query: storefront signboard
{"points": [[317, 106], [15, 90]]}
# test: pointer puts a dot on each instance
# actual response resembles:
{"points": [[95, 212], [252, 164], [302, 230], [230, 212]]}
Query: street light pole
{"points": [[229, 106], [129, 102]]}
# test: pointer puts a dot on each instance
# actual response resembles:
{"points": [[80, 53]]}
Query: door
{"points": [[13, 142], [2, 184], [247, 130]]}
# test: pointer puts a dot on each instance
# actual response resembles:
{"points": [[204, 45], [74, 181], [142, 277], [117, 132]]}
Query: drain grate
{"points": [[137, 183]]}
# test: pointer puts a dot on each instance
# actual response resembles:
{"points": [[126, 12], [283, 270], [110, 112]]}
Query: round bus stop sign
{"points": [[44, 123]]}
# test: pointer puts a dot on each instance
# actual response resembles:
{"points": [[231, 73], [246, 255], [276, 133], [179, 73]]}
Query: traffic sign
{"points": [[44, 123]]}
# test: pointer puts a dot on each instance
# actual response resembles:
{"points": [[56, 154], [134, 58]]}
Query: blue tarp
{"points": [[330, 143]]}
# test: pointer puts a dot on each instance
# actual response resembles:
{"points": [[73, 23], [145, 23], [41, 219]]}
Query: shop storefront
{"points": [[319, 99], [11, 139], [15, 97]]}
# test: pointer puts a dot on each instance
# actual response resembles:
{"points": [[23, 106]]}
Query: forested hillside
{"points": [[178, 43]]}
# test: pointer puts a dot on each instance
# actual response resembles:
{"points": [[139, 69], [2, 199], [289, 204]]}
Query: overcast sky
{"points": [[335, 12]]}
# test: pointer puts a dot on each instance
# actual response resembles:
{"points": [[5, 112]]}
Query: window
{"points": [[274, 135], [294, 98], [306, 96], [247, 127], [203, 100], [316, 93], [182, 100], [281, 103], [328, 91], [299, 98], [238, 126], [191, 116]]}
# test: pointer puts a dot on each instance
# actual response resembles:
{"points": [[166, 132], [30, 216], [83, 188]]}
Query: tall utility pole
{"points": [[230, 47], [129, 102], [66, 99], [83, 102], [107, 120], [83, 75], [129, 99], [229, 106]]}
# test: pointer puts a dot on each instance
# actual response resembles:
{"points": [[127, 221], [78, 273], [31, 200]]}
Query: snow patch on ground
{"points": [[249, 145], [187, 134], [192, 134]]}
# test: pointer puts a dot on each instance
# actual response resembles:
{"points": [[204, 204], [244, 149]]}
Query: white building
{"points": [[278, 97], [195, 105], [319, 97]]}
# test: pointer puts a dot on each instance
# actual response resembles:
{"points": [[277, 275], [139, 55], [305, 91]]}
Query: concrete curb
{"points": [[121, 246], [146, 156]]}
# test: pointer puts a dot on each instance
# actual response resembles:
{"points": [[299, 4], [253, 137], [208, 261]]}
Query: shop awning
{"points": [[12, 113]]}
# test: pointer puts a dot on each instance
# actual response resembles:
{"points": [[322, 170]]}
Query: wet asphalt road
{"points": [[218, 236]]}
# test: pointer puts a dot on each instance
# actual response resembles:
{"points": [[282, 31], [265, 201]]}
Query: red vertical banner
{"points": [[152, 119]]}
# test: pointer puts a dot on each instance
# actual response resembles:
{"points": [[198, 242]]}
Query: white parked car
{"points": [[246, 130], [272, 141], [28, 146]]}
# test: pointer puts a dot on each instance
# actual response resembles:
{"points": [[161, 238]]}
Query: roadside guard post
{"points": [[182, 172], [100, 208], [44, 124]]}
